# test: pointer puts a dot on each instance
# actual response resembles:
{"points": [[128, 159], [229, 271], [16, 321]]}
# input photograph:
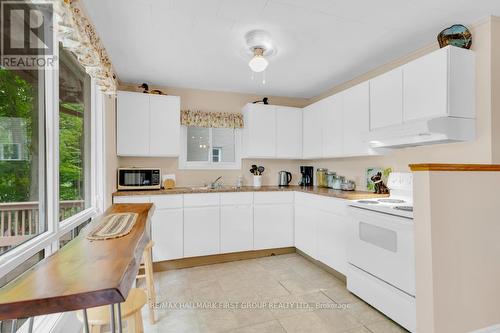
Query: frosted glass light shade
{"points": [[258, 63]]}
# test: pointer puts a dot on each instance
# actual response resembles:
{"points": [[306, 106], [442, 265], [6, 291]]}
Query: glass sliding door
{"points": [[22, 157], [74, 136]]}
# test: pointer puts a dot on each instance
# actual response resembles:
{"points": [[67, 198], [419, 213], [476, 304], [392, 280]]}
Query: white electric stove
{"points": [[381, 251], [400, 200]]}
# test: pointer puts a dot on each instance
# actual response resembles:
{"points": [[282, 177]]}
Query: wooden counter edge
{"points": [[76, 301], [47, 306], [454, 167]]}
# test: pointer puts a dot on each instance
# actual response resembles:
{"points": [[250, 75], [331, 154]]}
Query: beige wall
{"points": [[111, 160], [458, 251]]}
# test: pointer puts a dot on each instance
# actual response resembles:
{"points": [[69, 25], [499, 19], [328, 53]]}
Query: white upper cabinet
{"points": [[312, 146], [426, 86], [440, 83], [259, 131], [272, 131], [147, 125], [386, 99], [132, 124], [356, 120], [332, 122], [164, 125], [288, 132]]}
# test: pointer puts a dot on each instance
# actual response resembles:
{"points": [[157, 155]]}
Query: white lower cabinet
{"points": [[201, 231], [273, 226], [193, 225], [167, 230], [321, 229], [332, 234], [305, 230], [236, 228]]}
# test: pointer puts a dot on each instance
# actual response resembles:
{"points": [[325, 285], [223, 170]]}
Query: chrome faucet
{"points": [[215, 184]]}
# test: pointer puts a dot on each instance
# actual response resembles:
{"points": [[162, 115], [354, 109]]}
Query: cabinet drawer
{"points": [[201, 200], [131, 199], [245, 198], [167, 201], [332, 205], [273, 197], [321, 202]]}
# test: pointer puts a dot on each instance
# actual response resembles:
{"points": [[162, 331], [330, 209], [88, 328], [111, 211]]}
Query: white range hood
{"points": [[423, 132]]}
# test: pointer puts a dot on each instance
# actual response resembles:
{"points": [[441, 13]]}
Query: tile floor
{"points": [[285, 293]]}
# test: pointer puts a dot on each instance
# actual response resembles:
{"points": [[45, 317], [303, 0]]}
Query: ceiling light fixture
{"points": [[258, 63], [260, 47]]}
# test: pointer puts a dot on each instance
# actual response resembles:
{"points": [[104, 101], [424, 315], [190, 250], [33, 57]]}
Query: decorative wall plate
{"points": [[456, 35], [373, 171]]}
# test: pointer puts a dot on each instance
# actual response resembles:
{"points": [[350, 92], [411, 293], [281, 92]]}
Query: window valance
{"points": [[78, 35], [211, 119]]}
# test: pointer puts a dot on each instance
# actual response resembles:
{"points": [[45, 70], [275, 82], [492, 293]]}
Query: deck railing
{"points": [[19, 221]]}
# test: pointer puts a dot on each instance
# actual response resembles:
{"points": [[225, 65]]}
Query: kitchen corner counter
{"points": [[347, 195]]}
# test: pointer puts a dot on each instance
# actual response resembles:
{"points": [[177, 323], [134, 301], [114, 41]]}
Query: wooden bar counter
{"points": [[83, 274]]}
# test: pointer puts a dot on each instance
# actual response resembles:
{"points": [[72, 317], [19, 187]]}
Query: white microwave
{"points": [[139, 179]]}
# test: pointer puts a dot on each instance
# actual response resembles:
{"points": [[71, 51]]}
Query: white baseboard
{"points": [[490, 329]]}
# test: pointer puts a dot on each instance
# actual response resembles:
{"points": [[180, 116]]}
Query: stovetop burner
{"points": [[369, 202], [389, 200], [404, 208]]}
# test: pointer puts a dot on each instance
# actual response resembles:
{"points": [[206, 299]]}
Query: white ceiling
{"points": [[320, 43]]}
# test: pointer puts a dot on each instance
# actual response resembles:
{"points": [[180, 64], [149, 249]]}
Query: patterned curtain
{"points": [[211, 119], [77, 34]]}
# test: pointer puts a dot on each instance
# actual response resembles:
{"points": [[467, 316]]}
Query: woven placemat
{"points": [[113, 226]]}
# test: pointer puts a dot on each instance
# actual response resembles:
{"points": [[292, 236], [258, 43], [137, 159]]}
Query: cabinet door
{"points": [[201, 231], [425, 86], [167, 233], [273, 226], [305, 230], [331, 120], [356, 120], [259, 133], [332, 240], [312, 144], [165, 125], [132, 124], [236, 228], [386, 99], [288, 132]]}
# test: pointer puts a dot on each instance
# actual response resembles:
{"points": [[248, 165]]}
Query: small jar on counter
{"points": [[330, 178], [321, 177]]}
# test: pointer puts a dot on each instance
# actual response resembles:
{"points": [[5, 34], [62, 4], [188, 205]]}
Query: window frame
{"points": [[49, 167], [184, 164]]}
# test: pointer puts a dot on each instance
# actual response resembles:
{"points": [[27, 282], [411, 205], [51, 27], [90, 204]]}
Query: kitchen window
{"points": [[210, 148], [217, 154]]}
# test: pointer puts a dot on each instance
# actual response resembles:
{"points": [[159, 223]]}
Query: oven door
{"points": [[383, 246]]}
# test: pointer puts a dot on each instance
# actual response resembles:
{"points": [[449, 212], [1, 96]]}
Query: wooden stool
{"points": [[131, 313], [147, 266]]}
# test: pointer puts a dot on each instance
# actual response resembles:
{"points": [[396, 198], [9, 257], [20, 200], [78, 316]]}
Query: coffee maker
{"points": [[307, 175]]}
